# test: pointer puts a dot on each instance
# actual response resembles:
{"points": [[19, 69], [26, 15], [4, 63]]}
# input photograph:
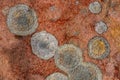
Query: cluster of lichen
{"points": [[22, 21], [69, 59]]}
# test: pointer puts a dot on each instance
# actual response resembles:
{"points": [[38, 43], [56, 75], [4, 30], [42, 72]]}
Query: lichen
{"points": [[22, 20], [44, 45], [100, 27], [98, 47], [85, 71], [57, 76], [67, 57]]}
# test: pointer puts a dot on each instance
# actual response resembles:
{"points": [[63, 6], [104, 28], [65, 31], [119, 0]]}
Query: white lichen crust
{"points": [[98, 48], [68, 57], [100, 27], [57, 76], [22, 20], [44, 45], [95, 7], [85, 71]]}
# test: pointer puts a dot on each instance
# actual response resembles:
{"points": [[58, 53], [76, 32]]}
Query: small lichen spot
{"points": [[100, 27], [95, 7]]}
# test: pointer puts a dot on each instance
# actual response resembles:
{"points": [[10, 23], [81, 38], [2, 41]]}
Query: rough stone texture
{"points": [[95, 7], [100, 27], [75, 25], [99, 48]]}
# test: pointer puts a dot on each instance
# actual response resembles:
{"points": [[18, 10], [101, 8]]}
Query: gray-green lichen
{"points": [[85, 71], [67, 57], [22, 20], [44, 45]]}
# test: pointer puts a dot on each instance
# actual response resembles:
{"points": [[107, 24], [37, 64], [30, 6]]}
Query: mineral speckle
{"points": [[86, 71]]}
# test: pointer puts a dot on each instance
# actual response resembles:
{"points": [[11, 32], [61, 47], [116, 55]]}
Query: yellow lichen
{"points": [[98, 47]]}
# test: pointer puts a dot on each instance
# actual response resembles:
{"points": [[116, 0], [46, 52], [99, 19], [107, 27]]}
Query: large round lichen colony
{"points": [[98, 48], [44, 45], [22, 20], [67, 57]]}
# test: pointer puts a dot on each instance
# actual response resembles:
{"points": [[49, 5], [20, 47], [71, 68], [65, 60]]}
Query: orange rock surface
{"points": [[70, 22]]}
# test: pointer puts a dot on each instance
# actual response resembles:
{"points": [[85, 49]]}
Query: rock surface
{"points": [[73, 23]]}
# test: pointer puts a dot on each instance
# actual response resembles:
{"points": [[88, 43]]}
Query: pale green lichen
{"points": [[44, 45], [22, 20], [57, 76]]}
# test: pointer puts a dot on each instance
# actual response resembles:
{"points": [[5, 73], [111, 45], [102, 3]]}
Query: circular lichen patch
{"points": [[85, 71], [67, 57], [100, 27], [98, 48], [22, 20], [95, 7], [57, 76], [44, 45]]}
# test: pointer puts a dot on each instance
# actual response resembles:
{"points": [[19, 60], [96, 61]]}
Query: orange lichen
{"points": [[98, 47]]}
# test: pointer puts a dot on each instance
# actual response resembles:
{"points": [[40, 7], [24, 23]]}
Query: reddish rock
{"points": [[73, 24]]}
